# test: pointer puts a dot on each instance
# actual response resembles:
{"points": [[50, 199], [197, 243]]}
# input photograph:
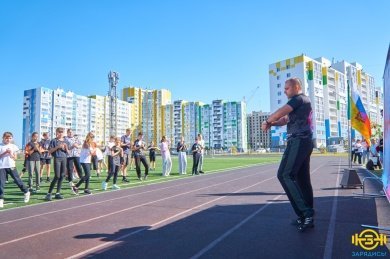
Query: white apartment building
{"points": [[37, 112], [167, 127], [228, 125], [205, 126], [191, 124], [178, 119], [222, 124], [257, 138], [44, 110], [325, 82], [217, 124], [102, 117]]}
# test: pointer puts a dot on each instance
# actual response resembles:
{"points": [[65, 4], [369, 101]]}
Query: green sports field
{"points": [[13, 197]]}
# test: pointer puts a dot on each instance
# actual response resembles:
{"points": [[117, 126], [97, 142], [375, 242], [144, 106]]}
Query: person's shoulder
{"points": [[304, 98]]}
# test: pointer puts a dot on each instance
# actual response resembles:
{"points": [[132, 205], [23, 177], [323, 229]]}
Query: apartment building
{"points": [[44, 110], [257, 138], [325, 82]]}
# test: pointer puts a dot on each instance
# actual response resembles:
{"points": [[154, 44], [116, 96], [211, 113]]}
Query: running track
{"points": [[241, 213]]}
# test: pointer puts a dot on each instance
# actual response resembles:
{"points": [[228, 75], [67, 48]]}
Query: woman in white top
{"points": [[100, 161], [366, 152], [166, 157], [8, 155], [87, 150], [202, 147], [358, 151]]}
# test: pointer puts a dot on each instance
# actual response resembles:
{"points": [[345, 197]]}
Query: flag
{"points": [[359, 117]]}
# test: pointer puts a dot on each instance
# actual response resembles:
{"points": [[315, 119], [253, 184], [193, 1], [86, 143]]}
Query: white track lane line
{"points": [[120, 211], [332, 222], [231, 230], [177, 215], [118, 198], [164, 220]]}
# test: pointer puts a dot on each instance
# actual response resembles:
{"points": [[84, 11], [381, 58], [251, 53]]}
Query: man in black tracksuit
{"points": [[138, 147], [294, 169], [196, 153]]}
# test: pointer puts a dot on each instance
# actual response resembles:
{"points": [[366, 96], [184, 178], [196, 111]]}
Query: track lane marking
{"points": [[120, 211], [164, 220], [130, 195], [332, 224], [237, 226], [179, 214]]}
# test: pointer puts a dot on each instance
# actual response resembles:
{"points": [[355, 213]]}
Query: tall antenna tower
{"points": [[113, 78]]}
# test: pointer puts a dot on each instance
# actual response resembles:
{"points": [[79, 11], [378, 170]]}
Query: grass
{"points": [[13, 197]]}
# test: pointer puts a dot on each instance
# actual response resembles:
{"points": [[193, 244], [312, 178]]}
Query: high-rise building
{"points": [[228, 125], [205, 126], [147, 111], [235, 126], [44, 110], [192, 121], [222, 124], [101, 112], [37, 112], [167, 126], [325, 82], [258, 138], [178, 119]]}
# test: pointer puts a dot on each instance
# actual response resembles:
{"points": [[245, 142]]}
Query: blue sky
{"points": [[200, 50]]}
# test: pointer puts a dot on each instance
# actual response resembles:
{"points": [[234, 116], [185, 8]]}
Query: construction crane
{"points": [[113, 78], [252, 94]]}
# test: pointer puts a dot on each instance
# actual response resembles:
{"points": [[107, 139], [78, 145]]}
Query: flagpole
{"points": [[350, 176], [349, 126]]}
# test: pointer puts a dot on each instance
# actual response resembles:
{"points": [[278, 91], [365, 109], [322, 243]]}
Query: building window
{"points": [[288, 75], [277, 69], [278, 85], [277, 77], [279, 101], [288, 67], [279, 93]]}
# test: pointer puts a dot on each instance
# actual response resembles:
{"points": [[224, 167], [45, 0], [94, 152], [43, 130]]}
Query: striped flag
{"points": [[359, 117]]}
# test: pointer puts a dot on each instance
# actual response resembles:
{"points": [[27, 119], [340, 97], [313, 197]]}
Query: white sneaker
{"points": [[26, 197], [1, 203], [104, 185], [115, 187], [71, 184]]}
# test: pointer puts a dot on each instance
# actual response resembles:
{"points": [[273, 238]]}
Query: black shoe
{"points": [[297, 221], [201, 172], [24, 170], [125, 180], [48, 197], [86, 191], [307, 223], [48, 179], [41, 180], [58, 196]]}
